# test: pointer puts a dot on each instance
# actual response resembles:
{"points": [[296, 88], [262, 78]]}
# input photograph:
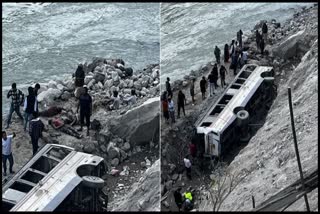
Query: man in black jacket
{"points": [[203, 86], [178, 198], [265, 32], [35, 130]]}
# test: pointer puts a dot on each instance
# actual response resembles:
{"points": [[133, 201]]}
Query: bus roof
{"points": [[55, 186], [239, 95]]}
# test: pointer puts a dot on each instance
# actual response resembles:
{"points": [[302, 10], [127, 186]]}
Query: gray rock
{"points": [[137, 85], [49, 95], [123, 155], [175, 177], [113, 152], [166, 204], [52, 84], [91, 83], [104, 136], [288, 48], [134, 77], [115, 162], [184, 83], [99, 76], [89, 148], [60, 87], [108, 83], [66, 95], [143, 164], [87, 79], [169, 184], [126, 146], [103, 148], [115, 76]]}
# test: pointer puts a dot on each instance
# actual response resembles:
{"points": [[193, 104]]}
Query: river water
{"points": [[190, 31], [47, 41]]}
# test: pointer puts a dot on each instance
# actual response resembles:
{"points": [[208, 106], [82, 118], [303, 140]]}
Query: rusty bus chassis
{"points": [[228, 121], [57, 178]]}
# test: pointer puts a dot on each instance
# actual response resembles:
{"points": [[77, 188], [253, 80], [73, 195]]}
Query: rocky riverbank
{"points": [[128, 153], [269, 157]]}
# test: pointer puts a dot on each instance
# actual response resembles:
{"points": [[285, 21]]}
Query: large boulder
{"points": [[49, 95], [289, 48], [99, 77], [115, 76], [113, 152], [134, 123]]}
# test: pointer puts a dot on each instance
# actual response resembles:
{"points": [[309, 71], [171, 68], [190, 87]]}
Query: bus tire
{"points": [[242, 117], [92, 181], [246, 138]]}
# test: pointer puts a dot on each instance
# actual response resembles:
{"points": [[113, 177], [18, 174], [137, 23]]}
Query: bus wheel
{"points": [[245, 138], [242, 117], [92, 181]]}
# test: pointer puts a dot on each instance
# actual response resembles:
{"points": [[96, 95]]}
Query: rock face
{"points": [[289, 47], [144, 195], [134, 123]]}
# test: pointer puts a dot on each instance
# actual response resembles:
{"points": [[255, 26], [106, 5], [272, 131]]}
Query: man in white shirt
{"points": [[187, 164], [6, 152]]}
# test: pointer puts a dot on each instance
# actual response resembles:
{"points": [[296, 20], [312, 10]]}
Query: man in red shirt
{"points": [[193, 150]]}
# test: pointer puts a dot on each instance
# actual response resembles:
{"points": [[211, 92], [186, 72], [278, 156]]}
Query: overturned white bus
{"points": [[228, 120], [57, 178]]}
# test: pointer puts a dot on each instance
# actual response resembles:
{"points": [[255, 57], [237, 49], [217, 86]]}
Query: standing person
{"points": [[265, 32], [239, 37], [178, 198], [171, 109], [17, 98], [245, 57], [223, 71], [165, 109], [36, 90], [193, 150], [181, 102], [232, 47], [262, 46], [211, 83], [215, 75], [226, 53], [35, 131], [187, 164], [30, 106], [192, 91], [85, 104], [203, 86], [258, 39], [168, 87], [79, 76], [234, 63], [7, 152], [217, 54]]}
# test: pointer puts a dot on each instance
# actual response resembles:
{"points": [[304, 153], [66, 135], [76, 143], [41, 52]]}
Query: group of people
{"points": [[168, 106], [31, 112]]}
